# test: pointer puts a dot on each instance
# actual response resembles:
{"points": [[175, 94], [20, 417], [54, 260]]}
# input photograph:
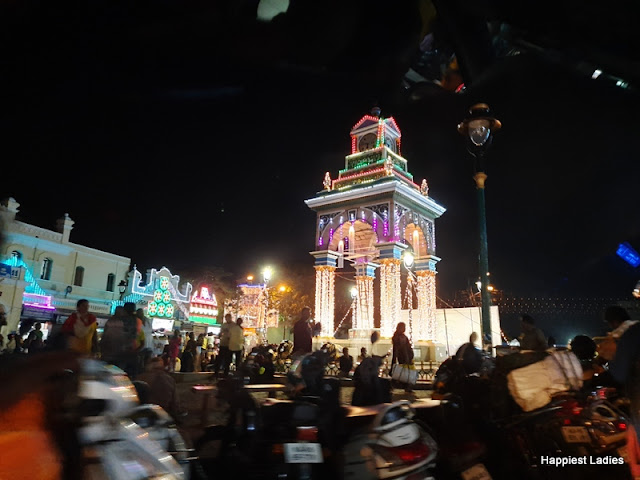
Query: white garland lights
{"points": [[390, 296], [364, 305], [426, 305], [325, 298]]}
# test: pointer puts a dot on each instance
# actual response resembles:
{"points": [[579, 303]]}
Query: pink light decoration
{"points": [[38, 305], [353, 144], [385, 229], [330, 234], [320, 241], [34, 300]]}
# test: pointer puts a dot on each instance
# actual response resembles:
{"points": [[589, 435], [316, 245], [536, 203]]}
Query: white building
{"points": [[43, 274]]}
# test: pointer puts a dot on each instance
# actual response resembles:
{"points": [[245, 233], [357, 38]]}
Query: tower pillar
{"points": [[363, 318], [425, 327], [325, 267], [390, 287]]}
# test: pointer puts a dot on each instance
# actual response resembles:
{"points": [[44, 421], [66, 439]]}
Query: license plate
{"points": [[477, 472], [576, 435], [302, 453]]}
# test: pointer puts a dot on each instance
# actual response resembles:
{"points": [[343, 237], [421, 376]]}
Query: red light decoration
{"points": [[364, 119]]}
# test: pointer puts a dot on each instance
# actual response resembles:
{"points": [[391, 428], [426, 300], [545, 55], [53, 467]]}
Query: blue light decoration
{"points": [[628, 254]]}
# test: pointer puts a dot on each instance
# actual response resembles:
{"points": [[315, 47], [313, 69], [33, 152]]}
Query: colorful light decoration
{"points": [[161, 305], [364, 173], [203, 307], [37, 301]]}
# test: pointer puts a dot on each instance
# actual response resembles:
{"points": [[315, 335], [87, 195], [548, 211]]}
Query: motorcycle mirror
{"points": [[375, 336]]}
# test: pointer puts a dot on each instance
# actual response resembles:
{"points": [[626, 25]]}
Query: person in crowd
{"points": [[147, 332], [81, 329], [200, 342], [531, 338], [34, 342], [624, 367], [121, 341], [236, 343], [224, 354], [618, 319], [345, 363], [11, 343], [402, 350], [302, 335], [551, 341], [469, 355], [162, 387], [174, 345], [187, 364], [363, 354]]}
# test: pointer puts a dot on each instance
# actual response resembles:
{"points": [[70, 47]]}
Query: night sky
{"points": [[185, 138]]}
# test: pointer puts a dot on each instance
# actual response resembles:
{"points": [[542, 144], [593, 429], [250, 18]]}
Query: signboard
{"points": [[628, 254], [5, 270], [37, 313], [10, 271], [159, 323]]}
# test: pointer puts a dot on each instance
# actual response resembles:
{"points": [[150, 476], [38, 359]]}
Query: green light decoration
{"points": [[161, 305]]}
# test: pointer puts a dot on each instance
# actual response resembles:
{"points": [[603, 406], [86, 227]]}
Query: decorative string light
{"points": [[390, 296], [325, 300], [364, 310], [426, 293], [351, 309]]}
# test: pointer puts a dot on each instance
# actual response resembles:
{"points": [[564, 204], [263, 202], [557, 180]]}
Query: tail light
{"points": [[307, 434], [409, 454], [622, 426]]}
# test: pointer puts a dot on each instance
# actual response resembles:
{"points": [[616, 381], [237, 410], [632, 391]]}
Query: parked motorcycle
{"points": [[311, 435], [572, 424]]}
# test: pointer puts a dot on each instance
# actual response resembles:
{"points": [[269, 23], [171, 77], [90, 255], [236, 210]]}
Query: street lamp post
{"points": [[478, 129], [122, 287], [408, 259]]}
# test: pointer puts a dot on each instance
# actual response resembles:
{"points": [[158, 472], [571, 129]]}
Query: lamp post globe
{"points": [[408, 259], [478, 129], [266, 274], [354, 292]]}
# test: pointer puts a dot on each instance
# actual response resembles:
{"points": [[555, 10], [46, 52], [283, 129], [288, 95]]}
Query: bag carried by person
{"points": [[405, 373]]}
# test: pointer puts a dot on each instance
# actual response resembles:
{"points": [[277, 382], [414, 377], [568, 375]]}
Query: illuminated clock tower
{"points": [[369, 216]]}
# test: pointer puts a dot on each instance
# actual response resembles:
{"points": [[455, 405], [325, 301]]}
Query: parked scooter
{"points": [[122, 439]]}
